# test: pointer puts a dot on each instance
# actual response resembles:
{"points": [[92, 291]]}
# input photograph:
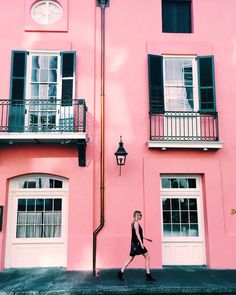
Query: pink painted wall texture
{"points": [[133, 30]]}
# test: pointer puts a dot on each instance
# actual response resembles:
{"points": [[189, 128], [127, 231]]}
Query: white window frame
{"points": [[193, 58], [183, 193], [29, 82], [18, 193], [46, 12]]}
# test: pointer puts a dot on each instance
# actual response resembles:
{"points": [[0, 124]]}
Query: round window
{"points": [[46, 12]]}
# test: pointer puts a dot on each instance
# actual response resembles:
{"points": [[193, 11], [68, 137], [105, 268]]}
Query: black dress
{"points": [[136, 248]]}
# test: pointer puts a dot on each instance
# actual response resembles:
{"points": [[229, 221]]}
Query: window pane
{"points": [[48, 204], [57, 218], [20, 231], [35, 62], [34, 75], [175, 204], [166, 217], [53, 76], [167, 229], [194, 230], [57, 231], [192, 204], [34, 90], [184, 217], [184, 204], [53, 62], [57, 204], [43, 61], [22, 205], [29, 231], [39, 204], [183, 183], [48, 231], [193, 217], [175, 217], [31, 205], [192, 183], [176, 230], [44, 76], [21, 218], [58, 183], [52, 90], [48, 218], [165, 183], [166, 204], [174, 183], [184, 230]]}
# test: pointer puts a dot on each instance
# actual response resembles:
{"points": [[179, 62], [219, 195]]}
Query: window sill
{"points": [[163, 145]]}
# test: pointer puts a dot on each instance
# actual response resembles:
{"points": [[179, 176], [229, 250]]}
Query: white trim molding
{"points": [[205, 145]]}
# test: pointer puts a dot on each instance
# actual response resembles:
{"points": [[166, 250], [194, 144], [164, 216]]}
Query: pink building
{"points": [[167, 88]]}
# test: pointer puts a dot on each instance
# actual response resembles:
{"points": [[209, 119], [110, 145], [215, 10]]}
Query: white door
{"points": [[37, 222], [183, 240]]}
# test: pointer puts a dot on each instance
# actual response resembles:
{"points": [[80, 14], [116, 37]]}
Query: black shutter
{"points": [[17, 93], [176, 16], [207, 102], [156, 88], [68, 61]]}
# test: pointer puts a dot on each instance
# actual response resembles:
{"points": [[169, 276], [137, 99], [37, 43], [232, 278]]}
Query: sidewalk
{"points": [[175, 280]]}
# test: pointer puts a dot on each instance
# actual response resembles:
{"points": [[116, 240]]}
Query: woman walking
{"points": [[137, 247]]}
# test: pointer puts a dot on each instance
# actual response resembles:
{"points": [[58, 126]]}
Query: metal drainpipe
{"points": [[102, 158]]}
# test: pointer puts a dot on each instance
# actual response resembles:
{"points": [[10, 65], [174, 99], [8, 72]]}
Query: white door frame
{"points": [[14, 194], [185, 193]]}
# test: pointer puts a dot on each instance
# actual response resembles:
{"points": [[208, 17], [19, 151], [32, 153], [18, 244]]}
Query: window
{"points": [[180, 217], [180, 205], [176, 16], [40, 183], [46, 12], [46, 15], [42, 91], [181, 83], [181, 183], [39, 218]]}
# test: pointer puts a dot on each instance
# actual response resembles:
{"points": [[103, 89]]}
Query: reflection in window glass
{"points": [[41, 182], [182, 183]]}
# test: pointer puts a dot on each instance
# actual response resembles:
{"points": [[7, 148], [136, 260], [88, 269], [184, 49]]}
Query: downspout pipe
{"points": [[102, 145]]}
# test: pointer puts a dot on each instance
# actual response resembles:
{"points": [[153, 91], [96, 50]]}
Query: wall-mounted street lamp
{"points": [[121, 154]]}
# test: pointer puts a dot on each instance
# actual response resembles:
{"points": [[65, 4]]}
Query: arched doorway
{"points": [[37, 221]]}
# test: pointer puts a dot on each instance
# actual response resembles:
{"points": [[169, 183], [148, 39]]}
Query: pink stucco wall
{"points": [[132, 31]]}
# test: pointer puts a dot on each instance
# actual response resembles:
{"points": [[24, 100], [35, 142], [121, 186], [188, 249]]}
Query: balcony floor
{"points": [[41, 137]]}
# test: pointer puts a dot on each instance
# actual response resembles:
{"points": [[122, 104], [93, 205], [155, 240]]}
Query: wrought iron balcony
{"points": [[43, 116], [184, 129]]}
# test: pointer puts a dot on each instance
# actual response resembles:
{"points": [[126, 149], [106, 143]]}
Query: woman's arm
{"points": [[149, 240], [136, 227]]}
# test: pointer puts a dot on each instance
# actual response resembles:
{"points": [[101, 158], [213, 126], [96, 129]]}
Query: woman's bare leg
{"points": [[147, 262], [129, 260]]}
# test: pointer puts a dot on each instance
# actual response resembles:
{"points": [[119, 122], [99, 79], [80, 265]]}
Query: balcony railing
{"points": [[184, 126], [43, 115]]}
